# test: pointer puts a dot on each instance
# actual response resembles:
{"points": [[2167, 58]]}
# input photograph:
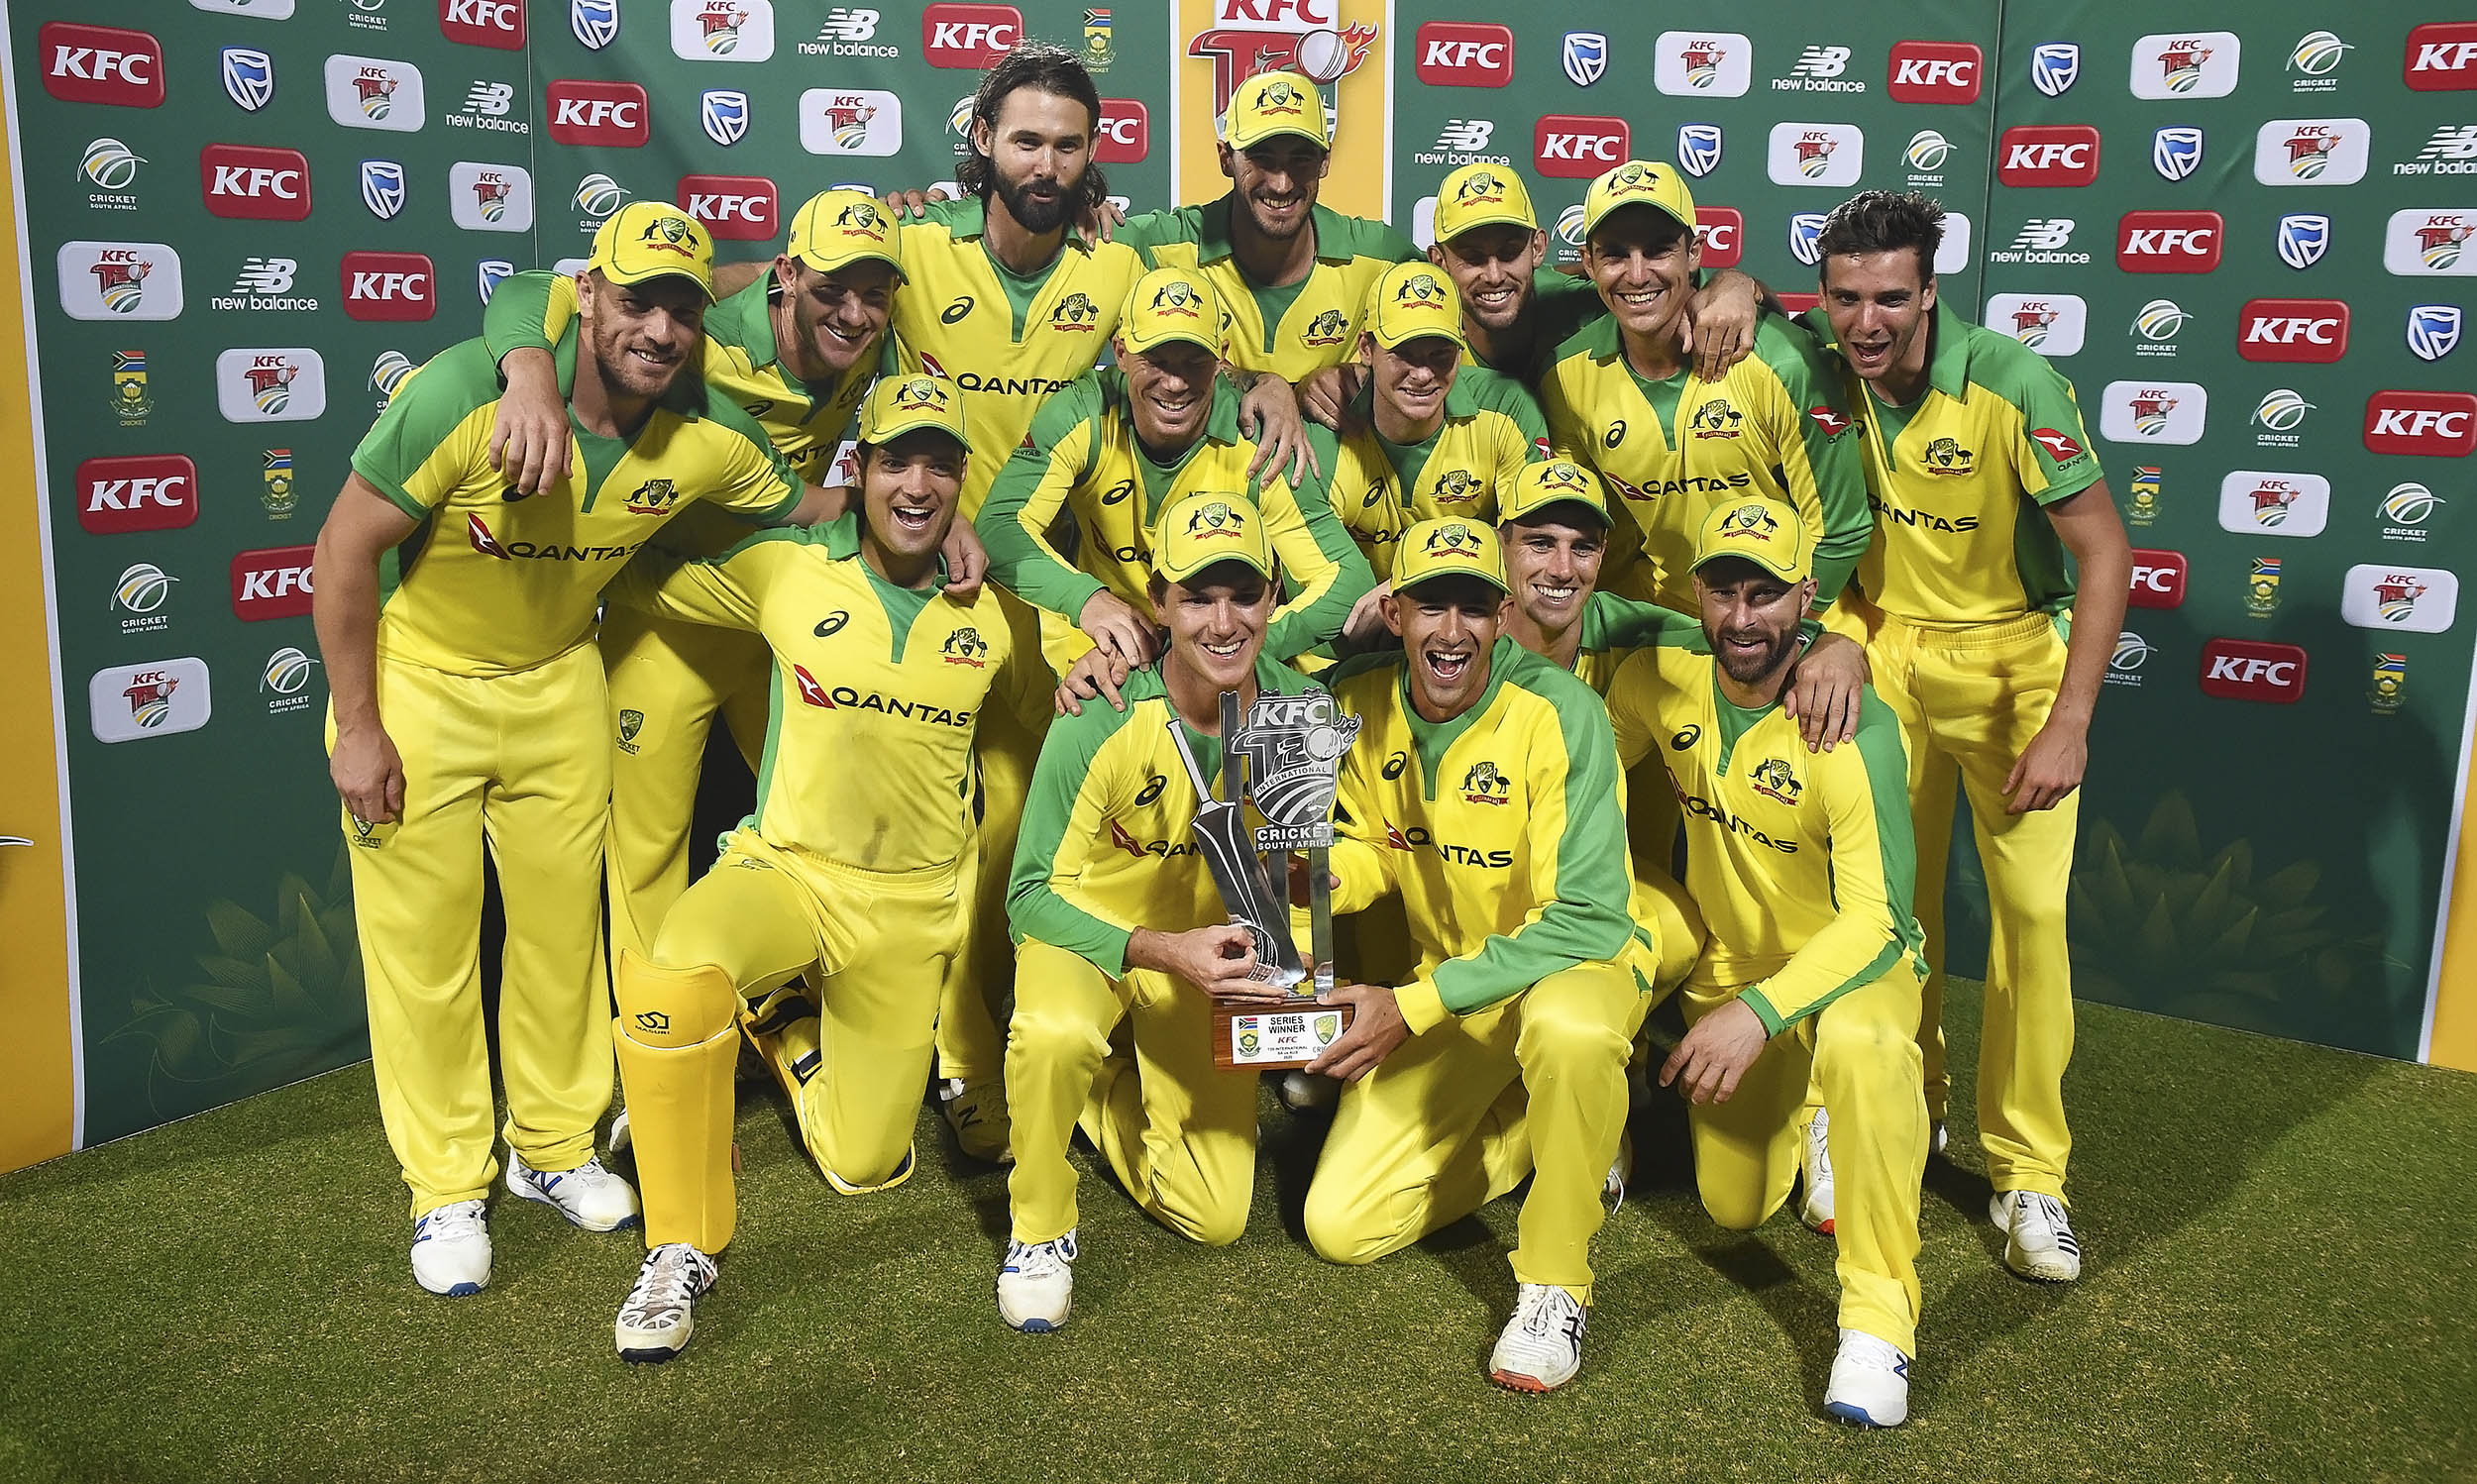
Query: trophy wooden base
{"points": [[1260, 1037]]}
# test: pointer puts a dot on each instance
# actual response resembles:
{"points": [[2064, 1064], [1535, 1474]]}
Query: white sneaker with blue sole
{"points": [[452, 1249], [1870, 1384], [1036, 1284], [589, 1196]]}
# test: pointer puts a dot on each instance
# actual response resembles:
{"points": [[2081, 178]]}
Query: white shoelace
{"points": [[674, 1274], [1544, 1310], [1041, 1259], [451, 1223]]}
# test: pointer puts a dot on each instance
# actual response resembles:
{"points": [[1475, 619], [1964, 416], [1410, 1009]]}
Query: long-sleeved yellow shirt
{"points": [[1492, 428]]}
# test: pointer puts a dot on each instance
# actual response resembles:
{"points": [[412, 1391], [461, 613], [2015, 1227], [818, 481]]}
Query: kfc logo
{"points": [[2418, 599], [483, 197], [372, 92], [1830, 155], [100, 64], [2048, 154], [272, 584], [2168, 242], [2293, 330], [2270, 502], [1464, 53], [255, 184], [2249, 670], [2153, 412], [146, 493], [280, 384], [2052, 324], [2441, 56], [969, 35], [598, 113], [388, 286], [1723, 235], [2433, 424], [1703, 63], [114, 281], [1124, 134], [2158, 580], [1579, 147], [483, 23], [1935, 72], [2196, 64], [2419, 243], [730, 206], [850, 121], [722, 30], [2312, 152]]}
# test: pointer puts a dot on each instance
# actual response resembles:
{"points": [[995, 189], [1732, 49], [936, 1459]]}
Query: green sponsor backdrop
{"points": [[2274, 866]]}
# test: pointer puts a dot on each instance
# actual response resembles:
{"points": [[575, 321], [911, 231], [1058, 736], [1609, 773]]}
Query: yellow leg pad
{"points": [[677, 1039]]}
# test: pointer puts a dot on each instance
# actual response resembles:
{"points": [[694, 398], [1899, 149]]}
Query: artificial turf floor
{"points": [[2280, 1286]]}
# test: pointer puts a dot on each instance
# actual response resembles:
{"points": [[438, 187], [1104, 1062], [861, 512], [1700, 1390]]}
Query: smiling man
{"points": [[1483, 791], [1117, 920], [472, 713], [853, 868]]}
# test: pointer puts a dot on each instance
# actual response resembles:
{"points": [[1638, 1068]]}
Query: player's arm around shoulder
{"points": [[1032, 486], [1076, 786]]}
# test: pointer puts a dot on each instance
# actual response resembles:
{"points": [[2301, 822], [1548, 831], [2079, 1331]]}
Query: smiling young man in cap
{"points": [[854, 866], [473, 710], [1116, 918], [1481, 791]]}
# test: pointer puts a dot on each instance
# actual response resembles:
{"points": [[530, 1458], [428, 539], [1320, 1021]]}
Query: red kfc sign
{"points": [[1935, 72], [1723, 232], [596, 113], [274, 583], [2250, 670], [483, 23], [2158, 580], [1579, 147], [1124, 133], [1464, 53], [730, 206], [389, 287], [100, 64], [969, 35], [144, 492], [2441, 56], [2048, 154], [2169, 242], [2441, 424], [2292, 330], [255, 184]]}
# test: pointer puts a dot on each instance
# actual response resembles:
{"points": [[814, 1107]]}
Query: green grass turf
{"points": [[2280, 1287]]}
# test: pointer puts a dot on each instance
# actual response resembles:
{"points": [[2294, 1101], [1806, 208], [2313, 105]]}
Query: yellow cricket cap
{"points": [[1271, 104], [1450, 547], [1168, 304], [1637, 183], [647, 240], [1764, 532], [1412, 299], [1559, 482], [838, 228], [1482, 195], [896, 405], [1201, 530]]}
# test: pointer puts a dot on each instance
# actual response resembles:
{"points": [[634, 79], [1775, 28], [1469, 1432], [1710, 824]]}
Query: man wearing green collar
{"points": [[854, 868], [1123, 442], [473, 710]]}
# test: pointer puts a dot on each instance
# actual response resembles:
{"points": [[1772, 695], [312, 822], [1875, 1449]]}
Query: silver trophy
{"points": [[1285, 756]]}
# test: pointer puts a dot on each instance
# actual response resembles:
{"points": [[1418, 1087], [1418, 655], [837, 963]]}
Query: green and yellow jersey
{"points": [[1292, 330], [1956, 478], [1006, 341], [1084, 457], [487, 585], [1801, 862], [1108, 843], [1381, 488], [1495, 828], [1561, 304], [1776, 424], [876, 690], [1614, 627]]}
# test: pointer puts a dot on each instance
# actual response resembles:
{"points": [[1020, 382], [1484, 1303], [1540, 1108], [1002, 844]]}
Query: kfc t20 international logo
{"points": [[2052, 324], [255, 184], [153, 698], [2154, 411], [2312, 152], [287, 384], [850, 121], [2187, 64], [483, 197], [1703, 63], [598, 113], [722, 30], [2416, 599], [117, 281], [2269, 502], [1462, 53], [373, 93], [2420, 243], [1831, 155], [144, 493], [100, 64]]}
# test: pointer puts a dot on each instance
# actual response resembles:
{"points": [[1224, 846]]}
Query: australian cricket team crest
{"points": [[1485, 783], [1214, 522], [1945, 456], [2389, 689], [1075, 312], [1480, 189], [1178, 297], [631, 722], [1716, 418], [2262, 587], [2143, 494], [1331, 327], [653, 497], [277, 500], [861, 219], [131, 400], [965, 646], [1773, 778], [1460, 487]]}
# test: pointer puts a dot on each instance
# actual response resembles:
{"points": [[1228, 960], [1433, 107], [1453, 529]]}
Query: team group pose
{"points": [[1674, 625]]}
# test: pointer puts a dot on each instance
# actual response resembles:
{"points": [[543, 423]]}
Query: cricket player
{"points": [[854, 866], [1119, 445], [1982, 479], [1117, 920], [473, 709], [1800, 863], [1624, 397], [1480, 790]]}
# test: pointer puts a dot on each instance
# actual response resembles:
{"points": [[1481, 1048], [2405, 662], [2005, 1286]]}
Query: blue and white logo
{"points": [[490, 273], [2176, 152], [1806, 237], [248, 77], [2055, 67], [596, 22], [382, 188], [726, 115], [2303, 238], [2433, 329], [1698, 149], [1585, 57]]}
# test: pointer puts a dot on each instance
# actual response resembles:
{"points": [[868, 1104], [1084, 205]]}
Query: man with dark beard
{"points": [[1802, 865]]}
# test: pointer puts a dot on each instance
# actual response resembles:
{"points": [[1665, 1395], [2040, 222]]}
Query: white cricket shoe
{"points": [[589, 1196], [660, 1313], [1814, 1162], [1870, 1384], [620, 1137], [452, 1249], [2038, 1236], [977, 1112], [1620, 1171], [1935, 1138], [1540, 1348], [1036, 1285]]}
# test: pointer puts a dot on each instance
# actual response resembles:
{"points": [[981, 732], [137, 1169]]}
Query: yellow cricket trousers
{"points": [[1457, 1117], [1968, 701], [1178, 1131], [1860, 1053], [668, 678], [517, 762]]}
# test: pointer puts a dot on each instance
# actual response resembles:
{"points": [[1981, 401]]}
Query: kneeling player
{"points": [[1802, 864], [1115, 918], [1481, 789], [852, 869]]}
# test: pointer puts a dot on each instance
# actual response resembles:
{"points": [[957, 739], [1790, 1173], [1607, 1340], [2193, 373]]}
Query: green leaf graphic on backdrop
{"points": [[2162, 924], [278, 1002]]}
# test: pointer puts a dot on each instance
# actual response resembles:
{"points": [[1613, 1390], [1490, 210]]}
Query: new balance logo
{"points": [[491, 98], [1464, 136], [2451, 151], [842, 25], [266, 276], [2044, 235], [1821, 62]]}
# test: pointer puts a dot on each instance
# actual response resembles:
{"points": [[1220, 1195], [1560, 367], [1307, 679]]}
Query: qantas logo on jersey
{"points": [[847, 697], [1140, 849], [1922, 520], [486, 542], [1419, 837], [1700, 807], [2059, 446]]}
